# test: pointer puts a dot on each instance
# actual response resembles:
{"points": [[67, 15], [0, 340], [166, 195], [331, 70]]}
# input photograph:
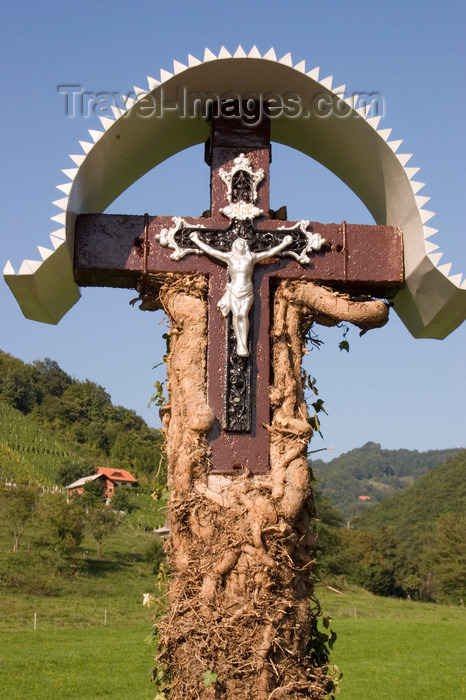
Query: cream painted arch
{"points": [[431, 304]]}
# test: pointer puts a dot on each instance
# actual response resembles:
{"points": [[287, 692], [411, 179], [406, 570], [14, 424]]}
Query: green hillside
{"points": [[357, 479], [55, 429], [31, 452], [412, 515], [410, 545]]}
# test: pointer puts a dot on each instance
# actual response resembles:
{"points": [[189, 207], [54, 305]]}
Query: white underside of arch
{"points": [[431, 304]]}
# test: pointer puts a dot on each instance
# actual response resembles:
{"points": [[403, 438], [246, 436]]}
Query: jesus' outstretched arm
{"points": [[258, 257], [218, 254]]}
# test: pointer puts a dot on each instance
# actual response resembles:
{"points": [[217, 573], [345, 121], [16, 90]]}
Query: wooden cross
{"points": [[116, 250]]}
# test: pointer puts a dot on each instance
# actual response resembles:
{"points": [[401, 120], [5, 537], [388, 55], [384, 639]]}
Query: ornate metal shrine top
{"points": [[241, 182], [432, 300]]}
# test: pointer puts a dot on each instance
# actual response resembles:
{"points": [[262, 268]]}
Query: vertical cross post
{"points": [[235, 450]]}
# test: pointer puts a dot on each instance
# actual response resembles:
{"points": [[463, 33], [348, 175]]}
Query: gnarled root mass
{"points": [[241, 602]]}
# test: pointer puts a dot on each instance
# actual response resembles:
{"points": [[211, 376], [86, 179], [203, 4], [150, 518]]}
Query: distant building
{"points": [[111, 478], [115, 478]]}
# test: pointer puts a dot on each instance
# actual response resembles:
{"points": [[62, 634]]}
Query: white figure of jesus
{"points": [[239, 293]]}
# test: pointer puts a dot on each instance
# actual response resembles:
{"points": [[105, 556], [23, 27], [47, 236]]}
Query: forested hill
{"points": [[411, 515], [411, 544], [358, 479], [425, 525], [55, 429]]}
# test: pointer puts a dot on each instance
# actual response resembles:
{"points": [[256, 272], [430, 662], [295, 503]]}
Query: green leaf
{"points": [[158, 398], [311, 383], [209, 678], [167, 338], [314, 423], [344, 345], [319, 406]]}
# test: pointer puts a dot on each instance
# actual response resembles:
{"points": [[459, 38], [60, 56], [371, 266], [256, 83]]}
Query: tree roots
{"points": [[241, 599]]}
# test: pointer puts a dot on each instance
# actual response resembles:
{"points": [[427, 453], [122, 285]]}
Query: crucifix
{"points": [[245, 249]]}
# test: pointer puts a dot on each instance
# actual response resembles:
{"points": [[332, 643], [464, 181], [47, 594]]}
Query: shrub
{"points": [[123, 499]]}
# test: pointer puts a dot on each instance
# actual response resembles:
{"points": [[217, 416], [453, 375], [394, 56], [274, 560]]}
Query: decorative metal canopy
{"points": [[431, 303]]}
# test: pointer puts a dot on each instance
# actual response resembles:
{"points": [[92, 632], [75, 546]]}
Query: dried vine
{"points": [[242, 615]]}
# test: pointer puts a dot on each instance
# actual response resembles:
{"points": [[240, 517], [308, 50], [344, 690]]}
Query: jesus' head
{"points": [[240, 245]]}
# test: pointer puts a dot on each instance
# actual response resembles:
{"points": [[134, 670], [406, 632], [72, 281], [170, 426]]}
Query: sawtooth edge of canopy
{"points": [[431, 303]]}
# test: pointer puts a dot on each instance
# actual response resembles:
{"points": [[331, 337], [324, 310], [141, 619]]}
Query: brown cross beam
{"points": [[117, 250]]}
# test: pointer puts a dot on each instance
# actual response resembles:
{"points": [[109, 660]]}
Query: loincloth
{"points": [[232, 298]]}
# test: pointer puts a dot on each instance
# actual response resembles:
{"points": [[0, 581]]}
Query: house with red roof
{"points": [[115, 478], [111, 478]]}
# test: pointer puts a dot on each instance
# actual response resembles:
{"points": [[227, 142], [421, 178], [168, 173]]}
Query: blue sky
{"points": [[390, 388]]}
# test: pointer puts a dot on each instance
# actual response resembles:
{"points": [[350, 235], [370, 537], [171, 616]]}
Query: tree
{"points": [[53, 379], [59, 412], [101, 523], [72, 471], [91, 397], [17, 505], [139, 453], [327, 529], [123, 499], [66, 522], [127, 418], [376, 561], [93, 493], [445, 556], [20, 389]]}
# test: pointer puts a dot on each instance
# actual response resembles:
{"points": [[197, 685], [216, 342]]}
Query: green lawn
{"points": [[400, 659], [387, 649], [393, 649], [82, 664], [397, 649], [72, 654]]}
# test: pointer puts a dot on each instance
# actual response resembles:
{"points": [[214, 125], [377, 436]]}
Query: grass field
{"points": [[105, 662], [386, 648], [72, 653], [400, 659], [398, 650]]}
